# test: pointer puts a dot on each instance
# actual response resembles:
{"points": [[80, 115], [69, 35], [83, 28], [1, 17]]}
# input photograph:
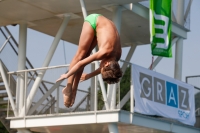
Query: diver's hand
{"points": [[62, 77], [84, 76]]}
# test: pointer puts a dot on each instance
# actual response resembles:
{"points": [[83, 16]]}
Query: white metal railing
{"points": [[43, 104], [52, 104]]}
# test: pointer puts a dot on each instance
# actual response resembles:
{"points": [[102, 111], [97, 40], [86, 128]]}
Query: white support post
{"points": [[21, 63], [23, 131], [117, 15], [158, 59], [131, 98], [47, 61], [58, 101], [92, 89], [95, 94], [128, 57], [179, 45], [113, 128], [178, 59], [113, 99], [188, 9], [109, 94], [117, 21], [10, 97], [83, 8]]}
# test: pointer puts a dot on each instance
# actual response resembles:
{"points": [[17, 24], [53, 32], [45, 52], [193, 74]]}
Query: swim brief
{"points": [[92, 19]]}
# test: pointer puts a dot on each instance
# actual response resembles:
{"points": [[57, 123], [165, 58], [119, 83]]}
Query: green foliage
{"points": [[125, 87], [3, 129]]}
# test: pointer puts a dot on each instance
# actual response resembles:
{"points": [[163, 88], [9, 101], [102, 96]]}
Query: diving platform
{"points": [[98, 122]]}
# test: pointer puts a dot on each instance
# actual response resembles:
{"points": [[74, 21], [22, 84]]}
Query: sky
{"points": [[38, 45]]}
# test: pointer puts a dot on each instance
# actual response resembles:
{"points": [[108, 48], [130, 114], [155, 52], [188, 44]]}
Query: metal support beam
{"points": [[188, 10], [5, 81], [5, 43], [47, 60], [92, 89], [158, 59], [128, 57], [178, 59], [117, 15], [81, 101], [113, 128], [179, 45], [21, 64], [124, 99], [142, 11]]}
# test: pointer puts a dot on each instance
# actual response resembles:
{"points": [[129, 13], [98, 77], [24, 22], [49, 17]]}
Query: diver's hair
{"points": [[111, 73]]}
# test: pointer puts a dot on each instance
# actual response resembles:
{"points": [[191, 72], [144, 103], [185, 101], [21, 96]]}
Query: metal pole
{"points": [[92, 89], [95, 94], [158, 59], [117, 21], [113, 99], [117, 14], [47, 60], [58, 97], [131, 97], [10, 97], [83, 8], [179, 45], [22, 61], [128, 58], [113, 128]]}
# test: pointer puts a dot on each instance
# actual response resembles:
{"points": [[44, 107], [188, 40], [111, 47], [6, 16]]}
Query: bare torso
{"points": [[108, 38]]}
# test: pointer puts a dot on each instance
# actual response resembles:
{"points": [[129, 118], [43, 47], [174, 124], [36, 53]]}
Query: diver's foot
{"points": [[67, 97], [73, 97]]}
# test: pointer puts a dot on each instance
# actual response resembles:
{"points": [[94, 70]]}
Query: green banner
{"points": [[160, 27]]}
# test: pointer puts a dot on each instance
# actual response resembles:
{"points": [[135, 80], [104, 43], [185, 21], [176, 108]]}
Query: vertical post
{"points": [[83, 8], [47, 61], [21, 62], [25, 89], [117, 21], [92, 89], [113, 99], [117, 13], [179, 45], [178, 60], [57, 102], [113, 128], [131, 97], [128, 57], [96, 95]]}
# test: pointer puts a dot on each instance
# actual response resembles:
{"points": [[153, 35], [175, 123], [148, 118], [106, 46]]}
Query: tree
{"points": [[125, 87], [2, 128]]}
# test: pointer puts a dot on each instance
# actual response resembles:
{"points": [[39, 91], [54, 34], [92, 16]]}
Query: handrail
{"points": [[42, 68]]}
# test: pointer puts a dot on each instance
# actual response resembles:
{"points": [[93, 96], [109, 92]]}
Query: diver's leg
{"points": [[78, 74], [85, 42]]}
